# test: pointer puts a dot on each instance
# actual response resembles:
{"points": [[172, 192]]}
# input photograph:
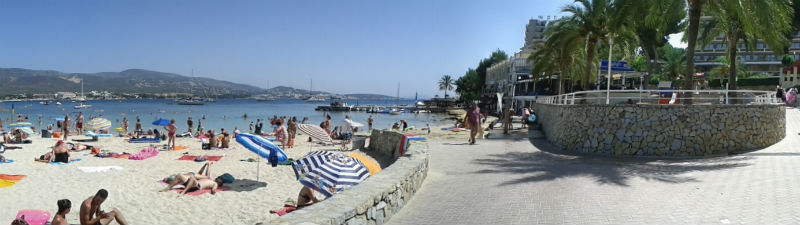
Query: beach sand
{"points": [[135, 190]]}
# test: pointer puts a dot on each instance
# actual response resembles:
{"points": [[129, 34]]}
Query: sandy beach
{"points": [[135, 189]]}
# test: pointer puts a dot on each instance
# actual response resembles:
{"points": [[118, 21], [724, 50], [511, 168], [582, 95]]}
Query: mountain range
{"points": [[14, 81]]}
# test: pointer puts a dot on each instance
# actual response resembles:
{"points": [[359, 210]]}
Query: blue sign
{"points": [[616, 67]]}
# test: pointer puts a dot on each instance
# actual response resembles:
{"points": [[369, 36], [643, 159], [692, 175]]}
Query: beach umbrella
{"points": [[20, 124], [161, 122], [329, 173], [262, 147], [27, 130], [315, 132], [98, 124]]}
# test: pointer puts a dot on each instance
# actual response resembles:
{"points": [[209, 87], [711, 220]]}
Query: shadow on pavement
{"points": [[544, 166]]}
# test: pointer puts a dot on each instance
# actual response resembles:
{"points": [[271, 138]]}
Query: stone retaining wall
{"points": [[375, 200], [386, 143], [662, 130]]}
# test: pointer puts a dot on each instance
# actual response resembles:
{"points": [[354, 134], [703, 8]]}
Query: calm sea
{"points": [[223, 113]]}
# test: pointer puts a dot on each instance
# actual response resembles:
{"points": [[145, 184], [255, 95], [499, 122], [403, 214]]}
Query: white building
{"points": [[66, 95]]}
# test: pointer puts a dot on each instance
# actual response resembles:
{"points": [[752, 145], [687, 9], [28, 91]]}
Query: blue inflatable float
{"points": [[262, 147]]}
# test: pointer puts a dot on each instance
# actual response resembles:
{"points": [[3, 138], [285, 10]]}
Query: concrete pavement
{"points": [[516, 180]]}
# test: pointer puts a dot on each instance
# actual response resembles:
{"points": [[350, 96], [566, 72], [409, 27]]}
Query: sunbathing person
{"points": [[60, 153], [204, 181], [183, 178], [77, 147], [306, 197], [90, 213]]}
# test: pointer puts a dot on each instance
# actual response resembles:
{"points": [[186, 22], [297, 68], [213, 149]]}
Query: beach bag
{"points": [[273, 158]]}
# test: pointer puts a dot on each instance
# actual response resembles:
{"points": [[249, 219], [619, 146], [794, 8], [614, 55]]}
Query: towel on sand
{"points": [[194, 157], [62, 164], [7, 180], [144, 154], [98, 169]]}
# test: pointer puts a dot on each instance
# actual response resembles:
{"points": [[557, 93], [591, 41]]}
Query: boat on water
{"points": [[190, 101], [44, 103], [83, 100], [315, 99], [336, 106], [58, 103], [396, 111]]}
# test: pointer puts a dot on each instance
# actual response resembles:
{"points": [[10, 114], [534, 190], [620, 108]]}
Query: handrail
{"points": [[738, 97]]}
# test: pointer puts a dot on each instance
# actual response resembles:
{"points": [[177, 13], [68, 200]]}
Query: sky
{"points": [[344, 46]]}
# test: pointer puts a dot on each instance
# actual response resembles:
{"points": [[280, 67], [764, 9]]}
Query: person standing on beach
{"points": [[91, 208], [405, 125], [369, 122], [172, 131], [125, 125], [292, 131], [252, 126], [138, 127], [79, 123], [67, 123], [259, 125], [474, 121], [190, 124], [328, 124]]}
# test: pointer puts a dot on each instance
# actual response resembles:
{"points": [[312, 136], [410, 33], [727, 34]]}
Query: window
{"points": [[760, 46], [796, 45]]}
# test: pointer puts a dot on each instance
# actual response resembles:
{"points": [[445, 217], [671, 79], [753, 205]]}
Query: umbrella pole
{"points": [[258, 168]]}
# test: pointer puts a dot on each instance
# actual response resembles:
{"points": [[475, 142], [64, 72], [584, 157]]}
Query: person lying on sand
{"points": [[60, 153], [200, 181], [90, 213], [77, 147]]}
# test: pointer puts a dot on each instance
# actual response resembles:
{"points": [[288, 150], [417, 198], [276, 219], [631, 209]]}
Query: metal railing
{"points": [[664, 97]]}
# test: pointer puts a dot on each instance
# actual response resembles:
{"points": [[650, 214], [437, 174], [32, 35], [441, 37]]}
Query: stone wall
{"points": [[375, 200], [386, 143], [662, 130]]}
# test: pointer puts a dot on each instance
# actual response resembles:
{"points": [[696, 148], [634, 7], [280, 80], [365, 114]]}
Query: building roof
{"points": [[790, 69]]}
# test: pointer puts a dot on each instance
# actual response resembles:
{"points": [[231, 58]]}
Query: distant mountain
{"points": [[138, 81], [25, 81]]}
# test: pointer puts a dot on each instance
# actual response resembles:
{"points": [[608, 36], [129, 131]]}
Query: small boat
{"points": [[58, 103], [82, 106], [44, 103], [315, 99], [396, 112], [190, 102]]}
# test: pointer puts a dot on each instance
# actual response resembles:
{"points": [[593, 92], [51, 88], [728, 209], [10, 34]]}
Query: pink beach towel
{"points": [[196, 192], [144, 154]]}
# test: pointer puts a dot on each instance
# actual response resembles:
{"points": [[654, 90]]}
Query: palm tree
{"points": [[652, 21], [739, 19], [590, 19], [747, 21], [446, 84], [564, 41], [675, 61]]}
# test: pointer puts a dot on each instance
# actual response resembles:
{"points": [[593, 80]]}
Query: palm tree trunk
{"points": [[590, 52], [695, 8], [646, 79], [733, 41]]}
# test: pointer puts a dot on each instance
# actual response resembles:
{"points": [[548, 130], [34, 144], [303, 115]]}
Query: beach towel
{"points": [[145, 140], [62, 164], [12, 177], [180, 148], [85, 140], [99, 169], [179, 188], [286, 210], [9, 162], [221, 149], [144, 154], [194, 158], [7, 183]]}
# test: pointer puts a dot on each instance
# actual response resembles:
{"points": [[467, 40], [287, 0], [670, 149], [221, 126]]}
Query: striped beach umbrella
{"points": [[20, 124], [27, 130], [329, 173], [98, 124], [315, 132]]}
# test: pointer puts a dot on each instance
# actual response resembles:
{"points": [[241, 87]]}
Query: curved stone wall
{"points": [[662, 130], [379, 197]]}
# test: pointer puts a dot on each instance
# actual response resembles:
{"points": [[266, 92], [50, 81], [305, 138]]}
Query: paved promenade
{"points": [[511, 180]]}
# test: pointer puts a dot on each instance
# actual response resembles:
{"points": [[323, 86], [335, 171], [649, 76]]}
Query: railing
{"points": [[665, 97]]}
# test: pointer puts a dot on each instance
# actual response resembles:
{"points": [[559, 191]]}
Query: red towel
{"points": [[193, 157]]}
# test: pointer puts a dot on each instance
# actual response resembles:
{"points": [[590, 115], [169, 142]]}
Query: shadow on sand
{"points": [[545, 165], [247, 185]]}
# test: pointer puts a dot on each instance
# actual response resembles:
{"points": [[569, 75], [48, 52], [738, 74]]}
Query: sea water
{"points": [[224, 113]]}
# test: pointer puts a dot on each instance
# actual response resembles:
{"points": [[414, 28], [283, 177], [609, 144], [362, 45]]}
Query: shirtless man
{"points": [[91, 214], [67, 123], [79, 123], [172, 132]]}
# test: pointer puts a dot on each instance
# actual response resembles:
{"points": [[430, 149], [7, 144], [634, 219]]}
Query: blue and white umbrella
{"points": [[161, 122], [329, 173]]}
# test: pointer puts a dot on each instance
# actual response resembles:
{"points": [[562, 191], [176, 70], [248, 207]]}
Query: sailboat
{"points": [[267, 97], [83, 99], [190, 100], [311, 97]]}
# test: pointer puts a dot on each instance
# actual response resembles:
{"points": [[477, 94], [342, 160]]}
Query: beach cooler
{"points": [[57, 135], [46, 134], [34, 217]]}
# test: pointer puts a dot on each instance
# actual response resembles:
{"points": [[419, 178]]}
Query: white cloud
{"points": [[675, 40]]}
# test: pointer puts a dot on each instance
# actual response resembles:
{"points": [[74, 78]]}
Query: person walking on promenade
{"points": [[474, 120], [780, 94], [507, 119]]}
